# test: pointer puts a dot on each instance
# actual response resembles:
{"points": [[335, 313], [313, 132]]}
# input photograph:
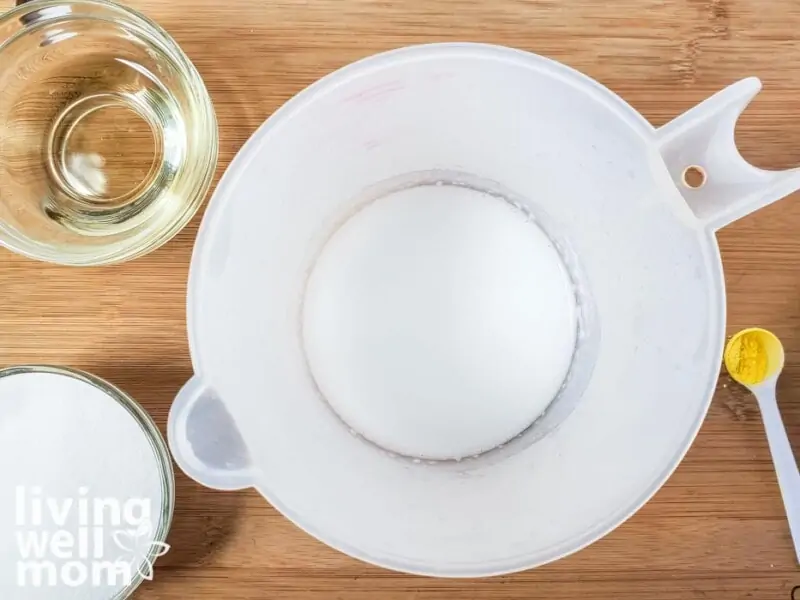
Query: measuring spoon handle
{"points": [[783, 459]]}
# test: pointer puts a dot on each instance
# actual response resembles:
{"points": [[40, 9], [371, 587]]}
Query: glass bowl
{"points": [[166, 474], [108, 138]]}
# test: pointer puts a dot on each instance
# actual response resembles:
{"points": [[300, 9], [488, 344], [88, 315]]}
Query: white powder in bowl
{"points": [[80, 490]]}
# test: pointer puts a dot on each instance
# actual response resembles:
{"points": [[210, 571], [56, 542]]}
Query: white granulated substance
{"points": [[81, 492], [439, 322]]}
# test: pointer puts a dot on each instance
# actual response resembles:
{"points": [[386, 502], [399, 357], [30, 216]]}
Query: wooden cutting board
{"points": [[715, 531]]}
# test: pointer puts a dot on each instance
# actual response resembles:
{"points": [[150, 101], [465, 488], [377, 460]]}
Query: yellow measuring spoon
{"points": [[754, 358]]}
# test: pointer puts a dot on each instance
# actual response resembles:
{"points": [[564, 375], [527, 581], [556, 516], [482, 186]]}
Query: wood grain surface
{"points": [[715, 531]]}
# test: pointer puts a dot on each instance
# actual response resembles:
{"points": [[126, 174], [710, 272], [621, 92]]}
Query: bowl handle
{"points": [[700, 152], [204, 440]]}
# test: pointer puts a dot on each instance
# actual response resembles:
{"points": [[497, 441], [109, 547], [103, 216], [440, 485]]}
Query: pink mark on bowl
{"points": [[377, 92]]}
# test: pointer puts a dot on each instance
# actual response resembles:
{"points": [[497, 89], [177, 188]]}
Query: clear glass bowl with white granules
{"points": [[87, 491]]}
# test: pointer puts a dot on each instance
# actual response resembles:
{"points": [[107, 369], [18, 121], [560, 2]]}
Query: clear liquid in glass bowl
{"points": [[108, 139]]}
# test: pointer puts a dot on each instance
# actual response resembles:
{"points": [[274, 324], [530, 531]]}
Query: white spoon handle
{"points": [[783, 458]]}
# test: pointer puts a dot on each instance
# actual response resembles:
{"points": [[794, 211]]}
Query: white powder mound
{"points": [[439, 322], [81, 491]]}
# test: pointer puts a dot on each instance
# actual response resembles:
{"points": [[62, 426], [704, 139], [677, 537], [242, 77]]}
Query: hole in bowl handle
{"points": [[204, 440], [702, 140]]}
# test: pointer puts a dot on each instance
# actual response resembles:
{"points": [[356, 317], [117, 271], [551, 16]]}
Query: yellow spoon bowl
{"points": [[754, 356]]}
